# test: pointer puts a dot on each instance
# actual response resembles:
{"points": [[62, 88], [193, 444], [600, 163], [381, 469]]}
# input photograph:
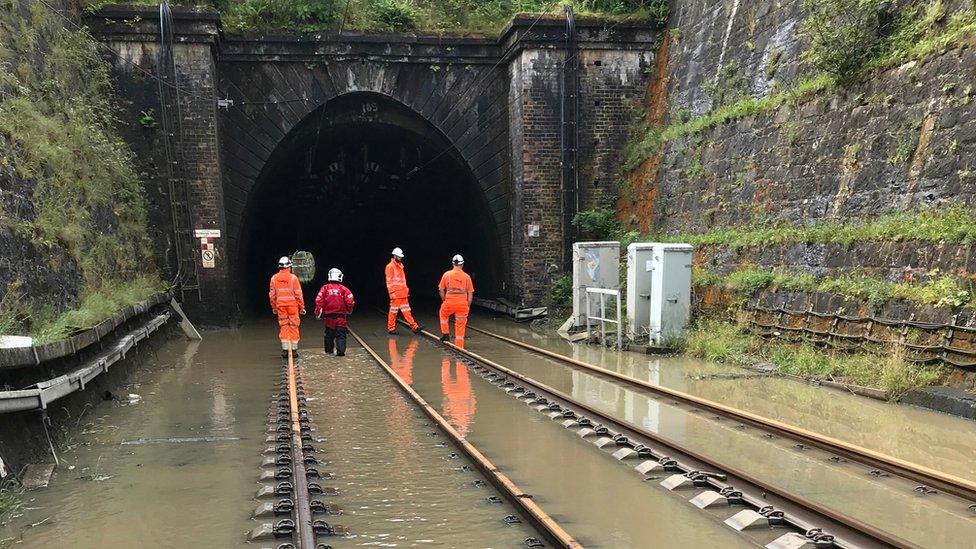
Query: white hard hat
{"points": [[284, 261], [335, 275], [457, 259], [398, 252]]}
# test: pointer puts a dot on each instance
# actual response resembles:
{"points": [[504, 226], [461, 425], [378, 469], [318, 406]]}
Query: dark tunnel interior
{"points": [[359, 176]]}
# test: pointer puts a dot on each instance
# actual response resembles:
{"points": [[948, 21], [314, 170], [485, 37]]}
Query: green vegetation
{"points": [[954, 223], [10, 498], [924, 29], [561, 292], [721, 341], [652, 138], [847, 39], [58, 132], [599, 224], [940, 290], [844, 35], [430, 16]]}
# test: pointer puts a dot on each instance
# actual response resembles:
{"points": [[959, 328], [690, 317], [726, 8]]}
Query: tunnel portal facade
{"points": [[348, 145]]}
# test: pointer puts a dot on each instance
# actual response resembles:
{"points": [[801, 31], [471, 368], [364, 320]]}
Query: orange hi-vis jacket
{"points": [[285, 290], [456, 285], [396, 280]]}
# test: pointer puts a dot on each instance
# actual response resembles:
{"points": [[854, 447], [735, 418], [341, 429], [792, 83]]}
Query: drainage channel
{"points": [[543, 522], [743, 502], [292, 495]]}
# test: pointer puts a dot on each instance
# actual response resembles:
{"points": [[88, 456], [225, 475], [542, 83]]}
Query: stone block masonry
{"points": [[898, 141], [134, 67], [496, 101]]}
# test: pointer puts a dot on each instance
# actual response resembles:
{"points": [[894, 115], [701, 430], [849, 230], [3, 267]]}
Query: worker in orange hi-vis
{"points": [[456, 291], [285, 294], [396, 286]]}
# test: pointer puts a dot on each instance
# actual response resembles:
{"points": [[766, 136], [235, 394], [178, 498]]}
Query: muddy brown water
{"points": [[179, 468], [600, 501], [889, 503], [936, 440]]}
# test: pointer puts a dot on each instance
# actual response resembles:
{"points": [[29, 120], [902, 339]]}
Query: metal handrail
{"points": [[603, 293]]}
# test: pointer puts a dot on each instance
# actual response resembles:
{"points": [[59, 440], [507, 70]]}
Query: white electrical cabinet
{"points": [[658, 290], [595, 265]]}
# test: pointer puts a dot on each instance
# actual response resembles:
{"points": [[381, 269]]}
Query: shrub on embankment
{"points": [[73, 230], [425, 16]]}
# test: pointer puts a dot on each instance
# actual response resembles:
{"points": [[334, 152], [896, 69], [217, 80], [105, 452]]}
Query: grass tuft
{"points": [[11, 498]]}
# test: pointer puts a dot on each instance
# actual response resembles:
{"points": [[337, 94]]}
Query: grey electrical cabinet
{"points": [[639, 268], [595, 265], [658, 290]]}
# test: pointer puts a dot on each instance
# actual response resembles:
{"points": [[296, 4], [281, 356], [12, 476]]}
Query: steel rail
{"points": [[541, 520], [939, 480], [303, 510], [803, 514]]}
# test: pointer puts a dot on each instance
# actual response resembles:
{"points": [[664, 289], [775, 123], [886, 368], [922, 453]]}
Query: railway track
{"points": [[748, 502], [885, 464], [542, 521], [291, 494]]}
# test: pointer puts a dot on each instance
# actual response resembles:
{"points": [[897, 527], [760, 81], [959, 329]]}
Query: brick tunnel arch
{"points": [[356, 176]]}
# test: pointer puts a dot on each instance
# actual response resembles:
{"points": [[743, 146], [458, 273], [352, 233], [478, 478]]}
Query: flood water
{"points": [[890, 503], [176, 469], [399, 485], [601, 502], [926, 437], [179, 468]]}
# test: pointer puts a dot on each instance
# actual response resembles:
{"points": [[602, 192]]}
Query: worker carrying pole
{"points": [[396, 286], [456, 291], [285, 294], [333, 304]]}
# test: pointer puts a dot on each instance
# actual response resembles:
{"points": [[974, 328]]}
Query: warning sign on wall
{"points": [[208, 252]]}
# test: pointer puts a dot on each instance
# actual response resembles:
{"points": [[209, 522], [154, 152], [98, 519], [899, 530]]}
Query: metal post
{"points": [[603, 322], [587, 314], [620, 326]]}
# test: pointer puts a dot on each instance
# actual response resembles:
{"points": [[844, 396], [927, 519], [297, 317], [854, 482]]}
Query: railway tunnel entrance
{"points": [[359, 175]]}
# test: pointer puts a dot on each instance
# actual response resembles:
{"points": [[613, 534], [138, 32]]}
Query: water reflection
{"points": [[402, 366], [459, 402]]}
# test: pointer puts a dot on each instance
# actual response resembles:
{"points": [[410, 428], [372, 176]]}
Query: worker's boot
{"points": [[284, 354], [445, 337], [393, 333]]}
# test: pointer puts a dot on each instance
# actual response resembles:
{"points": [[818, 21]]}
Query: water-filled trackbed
{"points": [[890, 503], [598, 500], [178, 467]]}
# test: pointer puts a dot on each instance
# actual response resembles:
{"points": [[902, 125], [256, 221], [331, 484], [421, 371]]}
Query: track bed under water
{"points": [[893, 504], [599, 501], [178, 468]]}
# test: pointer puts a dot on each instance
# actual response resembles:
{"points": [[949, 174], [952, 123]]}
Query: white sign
{"points": [[208, 259], [532, 231], [206, 233]]}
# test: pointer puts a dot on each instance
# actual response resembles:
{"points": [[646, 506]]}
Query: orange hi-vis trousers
{"points": [[288, 322], [460, 312], [400, 304]]}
